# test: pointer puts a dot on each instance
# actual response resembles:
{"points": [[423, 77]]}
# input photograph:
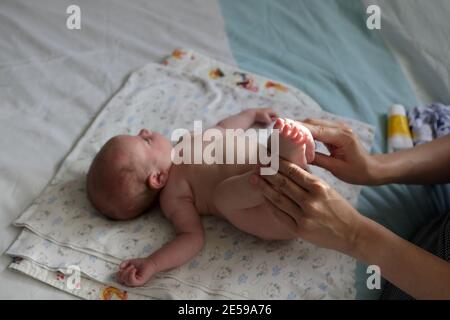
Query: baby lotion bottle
{"points": [[399, 135]]}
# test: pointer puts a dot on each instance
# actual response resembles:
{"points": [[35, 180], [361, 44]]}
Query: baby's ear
{"points": [[156, 180]]}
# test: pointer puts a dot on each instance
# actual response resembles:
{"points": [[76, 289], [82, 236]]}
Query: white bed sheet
{"points": [[53, 81]]}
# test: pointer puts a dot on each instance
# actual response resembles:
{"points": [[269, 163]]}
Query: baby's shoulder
{"points": [[176, 193], [177, 186]]}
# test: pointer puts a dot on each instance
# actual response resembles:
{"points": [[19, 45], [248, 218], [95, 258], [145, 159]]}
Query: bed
{"points": [[54, 81]]}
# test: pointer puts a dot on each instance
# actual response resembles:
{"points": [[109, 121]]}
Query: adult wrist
{"points": [[379, 171], [369, 234], [351, 244]]}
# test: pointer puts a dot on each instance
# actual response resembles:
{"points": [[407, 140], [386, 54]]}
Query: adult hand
{"points": [[317, 212], [348, 160]]}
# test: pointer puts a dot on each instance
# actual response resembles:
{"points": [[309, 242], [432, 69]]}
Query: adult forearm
{"points": [[425, 164], [410, 268], [322, 216]]}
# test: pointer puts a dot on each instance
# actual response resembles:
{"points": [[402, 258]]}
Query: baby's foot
{"points": [[296, 142]]}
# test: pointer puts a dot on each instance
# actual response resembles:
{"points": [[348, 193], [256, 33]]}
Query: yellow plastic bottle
{"points": [[399, 135]]}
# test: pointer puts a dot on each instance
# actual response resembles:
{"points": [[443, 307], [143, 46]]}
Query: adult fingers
{"points": [[299, 176], [310, 147], [329, 132], [295, 192], [319, 122], [280, 201], [326, 134], [326, 123], [284, 218], [326, 162]]}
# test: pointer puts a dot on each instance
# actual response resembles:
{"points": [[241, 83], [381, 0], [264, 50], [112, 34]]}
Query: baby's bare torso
{"points": [[224, 190], [204, 178]]}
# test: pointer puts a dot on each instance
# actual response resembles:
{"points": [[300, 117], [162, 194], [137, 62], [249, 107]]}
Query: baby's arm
{"points": [[186, 245], [247, 118]]}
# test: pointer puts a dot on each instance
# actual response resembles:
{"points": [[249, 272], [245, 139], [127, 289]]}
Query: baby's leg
{"points": [[296, 142], [262, 222], [245, 208]]}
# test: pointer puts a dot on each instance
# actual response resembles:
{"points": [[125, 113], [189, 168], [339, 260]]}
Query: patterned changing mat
{"points": [[62, 230]]}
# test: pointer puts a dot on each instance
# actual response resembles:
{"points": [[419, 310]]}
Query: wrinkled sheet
{"points": [[53, 82]]}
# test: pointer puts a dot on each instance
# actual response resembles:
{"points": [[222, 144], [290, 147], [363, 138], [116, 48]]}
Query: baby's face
{"points": [[153, 147], [148, 148]]}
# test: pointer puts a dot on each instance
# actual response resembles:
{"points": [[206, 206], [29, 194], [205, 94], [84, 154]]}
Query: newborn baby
{"points": [[131, 173]]}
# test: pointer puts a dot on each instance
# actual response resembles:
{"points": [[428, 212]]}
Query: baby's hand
{"points": [[265, 115], [135, 272]]}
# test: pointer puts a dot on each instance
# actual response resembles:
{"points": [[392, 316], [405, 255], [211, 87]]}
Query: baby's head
{"points": [[126, 175]]}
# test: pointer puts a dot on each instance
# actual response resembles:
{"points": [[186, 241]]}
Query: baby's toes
{"points": [[300, 139], [279, 124], [293, 134], [286, 131]]}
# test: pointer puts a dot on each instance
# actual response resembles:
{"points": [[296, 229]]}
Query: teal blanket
{"points": [[325, 49]]}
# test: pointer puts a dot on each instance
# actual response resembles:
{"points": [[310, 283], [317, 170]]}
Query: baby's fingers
{"points": [[131, 277], [124, 273], [120, 276], [124, 264], [267, 118]]}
